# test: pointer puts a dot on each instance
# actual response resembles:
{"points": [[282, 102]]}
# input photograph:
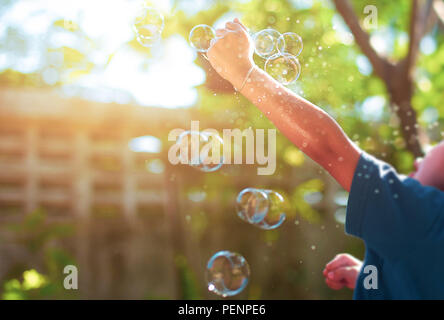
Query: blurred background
{"points": [[85, 112]]}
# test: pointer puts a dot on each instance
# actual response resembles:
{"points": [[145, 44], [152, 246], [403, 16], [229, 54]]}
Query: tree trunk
{"points": [[398, 77], [400, 87]]}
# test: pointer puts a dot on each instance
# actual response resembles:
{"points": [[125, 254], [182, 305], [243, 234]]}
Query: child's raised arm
{"points": [[306, 125]]}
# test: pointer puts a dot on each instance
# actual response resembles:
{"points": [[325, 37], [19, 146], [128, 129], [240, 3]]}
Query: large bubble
{"points": [[252, 205], [275, 215], [211, 155], [227, 273], [290, 43], [201, 150], [266, 42], [283, 67], [200, 37], [262, 208], [148, 26]]}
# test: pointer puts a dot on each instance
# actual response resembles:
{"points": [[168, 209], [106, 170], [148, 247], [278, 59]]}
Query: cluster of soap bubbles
{"points": [[227, 273], [204, 159], [279, 50], [262, 208], [148, 26]]}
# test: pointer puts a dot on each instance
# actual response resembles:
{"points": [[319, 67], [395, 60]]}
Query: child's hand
{"points": [[342, 271], [231, 54]]}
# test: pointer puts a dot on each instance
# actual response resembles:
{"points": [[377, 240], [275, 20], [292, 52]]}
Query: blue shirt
{"points": [[402, 225]]}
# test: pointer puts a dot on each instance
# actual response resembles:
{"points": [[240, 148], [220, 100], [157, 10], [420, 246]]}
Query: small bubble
{"points": [[200, 37], [266, 42], [206, 162], [283, 67], [290, 43], [227, 273]]}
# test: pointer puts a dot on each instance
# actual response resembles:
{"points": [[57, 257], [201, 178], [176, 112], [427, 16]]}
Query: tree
{"points": [[397, 76]]}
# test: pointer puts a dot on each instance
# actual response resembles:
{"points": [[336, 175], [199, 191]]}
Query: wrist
{"points": [[241, 76]]}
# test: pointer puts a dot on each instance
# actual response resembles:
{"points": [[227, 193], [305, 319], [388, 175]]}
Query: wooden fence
{"points": [[71, 157]]}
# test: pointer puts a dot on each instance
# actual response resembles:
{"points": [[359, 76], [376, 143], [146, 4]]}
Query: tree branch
{"points": [[419, 19], [380, 65]]}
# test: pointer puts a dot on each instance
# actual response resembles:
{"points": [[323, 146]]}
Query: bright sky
{"points": [[166, 79]]}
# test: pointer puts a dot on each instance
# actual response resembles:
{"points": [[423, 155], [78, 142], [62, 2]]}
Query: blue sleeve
{"points": [[391, 212]]}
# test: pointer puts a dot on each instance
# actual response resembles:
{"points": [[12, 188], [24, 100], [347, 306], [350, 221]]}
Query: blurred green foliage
{"points": [[41, 238]]}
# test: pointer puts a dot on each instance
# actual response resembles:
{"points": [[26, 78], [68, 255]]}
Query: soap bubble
{"points": [[201, 150], [148, 26], [262, 208], [283, 67], [252, 205], [186, 141], [148, 42], [290, 43], [275, 215], [266, 42], [211, 155], [201, 36], [227, 273]]}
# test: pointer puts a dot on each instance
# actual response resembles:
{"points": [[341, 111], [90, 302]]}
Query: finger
{"points": [[232, 26], [236, 20], [340, 275], [221, 32], [334, 285], [340, 260], [344, 275]]}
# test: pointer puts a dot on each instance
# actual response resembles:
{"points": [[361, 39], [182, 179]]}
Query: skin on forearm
{"points": [[307, 126]]}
